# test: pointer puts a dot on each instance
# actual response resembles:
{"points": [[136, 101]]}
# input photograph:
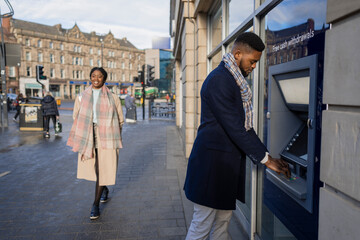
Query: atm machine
{"points": [[294, 111]]}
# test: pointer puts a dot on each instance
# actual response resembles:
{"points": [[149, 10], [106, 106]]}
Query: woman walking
{"points": [[96, 136]]}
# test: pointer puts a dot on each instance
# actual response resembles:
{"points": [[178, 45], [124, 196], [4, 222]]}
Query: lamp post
{"points": [[4, 120], [102, 50]]}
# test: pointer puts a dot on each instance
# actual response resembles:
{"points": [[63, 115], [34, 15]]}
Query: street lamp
{"points": [[102, 49]]}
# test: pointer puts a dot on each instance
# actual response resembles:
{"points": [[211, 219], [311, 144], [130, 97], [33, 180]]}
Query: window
{"points": [[28, 71], [108, 64], [39, 43], [130, 55], [236, 16], [40, 57], [139, 57], [91, 51], [27, 42], [79, 49], [52, 72], [52, 60], [215, 28], [130, 66], [28, 56], [98, 63], [75, 48], [61, 46], [62, 73], [123, 77], [12, 71], [109, 53], [91, 62], [51, 45], [76, 61], [123, 65], [122, 54], [62, 60], [99, 52]]}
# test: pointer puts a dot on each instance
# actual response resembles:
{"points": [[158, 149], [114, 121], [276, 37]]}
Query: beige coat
{"points": [[108, 158]]}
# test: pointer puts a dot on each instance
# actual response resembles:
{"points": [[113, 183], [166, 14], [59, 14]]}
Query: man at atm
{"points": [[216, 168]]}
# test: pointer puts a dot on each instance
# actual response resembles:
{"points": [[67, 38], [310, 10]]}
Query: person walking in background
{"points": [[130, 106], [216, 168], [19, 100], [49, 111], [96, 136]]}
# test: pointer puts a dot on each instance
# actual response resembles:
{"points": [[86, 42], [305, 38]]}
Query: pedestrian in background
{"points": [[216, 168], [19, 100], [96, 136], [50, 111], [130, 106]]}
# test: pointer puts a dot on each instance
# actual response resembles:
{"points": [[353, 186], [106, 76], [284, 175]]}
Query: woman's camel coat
{"points": [[108, 158]]}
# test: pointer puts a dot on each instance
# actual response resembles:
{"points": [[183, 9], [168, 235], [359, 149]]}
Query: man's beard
{"points": [[245, 74]]}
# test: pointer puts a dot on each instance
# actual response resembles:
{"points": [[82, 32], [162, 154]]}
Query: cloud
{"points": [[293, 12], [138, 21]]}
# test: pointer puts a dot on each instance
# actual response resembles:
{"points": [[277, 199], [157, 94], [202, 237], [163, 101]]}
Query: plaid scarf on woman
{"points": [[245, 90], [81, 137]]}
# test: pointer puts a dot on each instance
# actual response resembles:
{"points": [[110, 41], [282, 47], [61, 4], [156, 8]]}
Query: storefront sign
{"points": [[78, 82], [293, 40], [33, 85]]}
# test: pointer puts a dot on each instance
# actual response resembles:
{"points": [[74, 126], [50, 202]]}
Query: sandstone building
{"points": [[68, 55]]}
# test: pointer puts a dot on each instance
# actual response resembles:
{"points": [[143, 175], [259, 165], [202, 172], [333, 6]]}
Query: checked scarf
{"points": [[81, 137], [245, 90]]}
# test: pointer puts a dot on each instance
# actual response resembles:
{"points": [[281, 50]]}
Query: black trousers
{"points": [[47, 121]]}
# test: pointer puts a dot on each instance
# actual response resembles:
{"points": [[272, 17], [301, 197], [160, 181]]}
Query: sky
{"points": [[137, 20]]}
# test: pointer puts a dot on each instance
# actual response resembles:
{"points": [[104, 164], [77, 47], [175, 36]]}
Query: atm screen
{"points": [[296, 150], [299, 147]]}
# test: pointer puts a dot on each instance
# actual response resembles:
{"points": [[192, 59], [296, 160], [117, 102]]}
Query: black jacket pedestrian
{"points": [[49, 106], [216, 169]]}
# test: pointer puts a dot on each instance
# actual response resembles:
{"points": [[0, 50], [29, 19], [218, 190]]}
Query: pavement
{"points": [[41, 198]]}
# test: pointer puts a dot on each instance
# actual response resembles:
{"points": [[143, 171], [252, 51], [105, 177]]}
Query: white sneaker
{"points": [[14, 119]]}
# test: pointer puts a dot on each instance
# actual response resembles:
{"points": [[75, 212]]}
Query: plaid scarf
{"points": [[81, 137], [246, 94]]}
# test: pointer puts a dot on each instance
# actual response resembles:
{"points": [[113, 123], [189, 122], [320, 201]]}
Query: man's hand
{"points": [[279, 166]]}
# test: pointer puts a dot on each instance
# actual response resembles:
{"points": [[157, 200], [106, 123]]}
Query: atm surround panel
{"points": [[297, 148]]}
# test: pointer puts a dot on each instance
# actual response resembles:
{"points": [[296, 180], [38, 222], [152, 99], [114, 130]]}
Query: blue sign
{"points": [[112, 83], [127, 84], [78, 82]]}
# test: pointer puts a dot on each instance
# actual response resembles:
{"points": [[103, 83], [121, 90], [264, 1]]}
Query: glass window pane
{"points": [[239, 10], [216, 27]]}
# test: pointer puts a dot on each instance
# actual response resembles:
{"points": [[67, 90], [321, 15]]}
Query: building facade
{"points": [[314, 45], [68, 55], [163, 62]]}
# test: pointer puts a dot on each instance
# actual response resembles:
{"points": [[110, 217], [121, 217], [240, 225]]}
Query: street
{"points": [[41, 198]]}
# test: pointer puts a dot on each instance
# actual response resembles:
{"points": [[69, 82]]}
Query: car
{"points": [[122, 96]]}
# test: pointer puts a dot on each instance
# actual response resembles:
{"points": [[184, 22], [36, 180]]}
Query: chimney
{"points": [[6, 23]]}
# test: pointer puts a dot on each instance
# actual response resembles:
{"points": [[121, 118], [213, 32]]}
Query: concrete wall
{"points": [[340, 151]]}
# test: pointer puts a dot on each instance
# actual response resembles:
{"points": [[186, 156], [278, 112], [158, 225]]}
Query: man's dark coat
{"points": [[216, 170]]}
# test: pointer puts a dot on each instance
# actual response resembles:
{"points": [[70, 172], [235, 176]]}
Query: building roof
{"points": [[59, 31]]}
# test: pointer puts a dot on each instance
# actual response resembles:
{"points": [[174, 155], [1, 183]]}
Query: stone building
{"points": [[68, 55]]}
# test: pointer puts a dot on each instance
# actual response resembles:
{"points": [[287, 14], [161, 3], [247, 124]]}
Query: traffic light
{"points": [[150, 73], [40, 73]]}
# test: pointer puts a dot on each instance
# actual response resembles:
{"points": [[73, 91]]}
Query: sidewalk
{"points": [[42, 199]]}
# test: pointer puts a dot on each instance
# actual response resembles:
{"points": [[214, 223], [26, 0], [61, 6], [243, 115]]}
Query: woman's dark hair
{"points": [[104, 73]]}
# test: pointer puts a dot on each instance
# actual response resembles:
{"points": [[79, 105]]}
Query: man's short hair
{"points": [[250, 39]]}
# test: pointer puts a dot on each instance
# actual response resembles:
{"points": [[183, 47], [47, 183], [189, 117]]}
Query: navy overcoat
{"points": [[216, 169]]}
